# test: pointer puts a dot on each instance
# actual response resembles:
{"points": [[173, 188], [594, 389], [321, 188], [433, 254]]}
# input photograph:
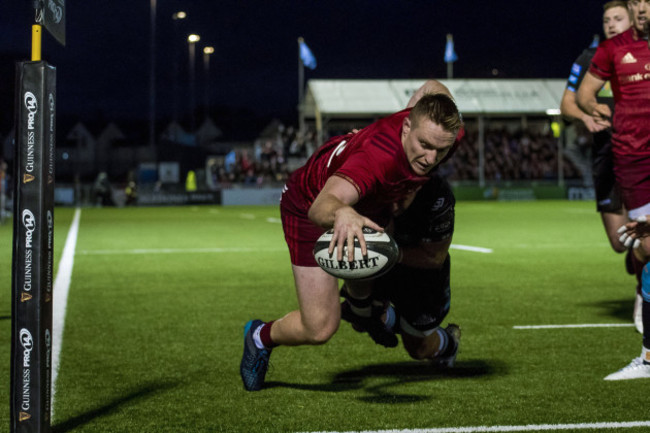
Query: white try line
{"points": [[470, 248], [578, 325], [60, 299], [513, 428]]}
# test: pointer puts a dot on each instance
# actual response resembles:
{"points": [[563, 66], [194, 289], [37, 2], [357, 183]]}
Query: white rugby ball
{"points": [[383, 253]]}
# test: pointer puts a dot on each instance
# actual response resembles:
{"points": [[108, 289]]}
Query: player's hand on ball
{"points": [[632, 232], [348, 225]]}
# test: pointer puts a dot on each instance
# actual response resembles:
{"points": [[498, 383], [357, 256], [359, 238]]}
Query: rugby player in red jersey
{"points": [[624, 60], [351, 182], [616, 20]]}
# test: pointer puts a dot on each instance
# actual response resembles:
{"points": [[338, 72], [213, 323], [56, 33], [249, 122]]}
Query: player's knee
{"points": [[321, 333]]}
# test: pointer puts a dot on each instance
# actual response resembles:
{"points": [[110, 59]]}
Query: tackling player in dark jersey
{"points": [[414, 297]]}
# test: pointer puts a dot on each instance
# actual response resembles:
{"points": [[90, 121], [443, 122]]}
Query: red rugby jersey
{"points": [[624, 60], [373, 160]]}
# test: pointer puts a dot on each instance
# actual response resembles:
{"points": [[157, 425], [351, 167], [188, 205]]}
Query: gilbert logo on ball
{"points": [[382, 255]]}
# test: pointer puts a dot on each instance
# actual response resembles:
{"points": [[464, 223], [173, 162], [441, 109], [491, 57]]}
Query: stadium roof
{"points": [[371, 98]]}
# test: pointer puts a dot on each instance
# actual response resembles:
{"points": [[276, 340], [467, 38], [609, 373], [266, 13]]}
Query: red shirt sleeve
{"points": [[370, 164], [602, 65]]}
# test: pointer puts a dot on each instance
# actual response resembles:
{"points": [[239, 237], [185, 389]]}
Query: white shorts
{"points": [[640, 211]]}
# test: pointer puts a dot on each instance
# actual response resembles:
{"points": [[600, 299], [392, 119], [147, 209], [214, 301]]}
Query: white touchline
{"points": [[513, 428], [178, 251], [578, 325], [470, 248], [60, 300]]}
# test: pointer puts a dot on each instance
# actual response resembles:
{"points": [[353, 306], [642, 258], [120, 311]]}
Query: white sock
{"points": [[444, 340], [390, 317], [257, 339]]}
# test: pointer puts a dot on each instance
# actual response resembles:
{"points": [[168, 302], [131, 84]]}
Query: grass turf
{"points": [[159, 297]]}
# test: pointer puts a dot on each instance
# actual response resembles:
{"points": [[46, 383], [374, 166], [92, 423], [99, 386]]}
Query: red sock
{"points": [[265, 335]]}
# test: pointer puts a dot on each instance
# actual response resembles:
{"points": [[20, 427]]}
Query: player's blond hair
{"points": [[440, 109], [615, 4]]}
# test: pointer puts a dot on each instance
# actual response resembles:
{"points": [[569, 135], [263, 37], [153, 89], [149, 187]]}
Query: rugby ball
{"points": [[383, 253]]}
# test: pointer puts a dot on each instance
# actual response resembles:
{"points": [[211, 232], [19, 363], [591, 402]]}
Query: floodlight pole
{"points": [[152, 78], [301, 90]]}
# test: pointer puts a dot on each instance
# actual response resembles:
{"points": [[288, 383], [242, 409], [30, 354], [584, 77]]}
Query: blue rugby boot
{"points": [[254, 362]]}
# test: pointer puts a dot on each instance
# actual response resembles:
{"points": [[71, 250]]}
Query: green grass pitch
{"points": [[159, 298]]}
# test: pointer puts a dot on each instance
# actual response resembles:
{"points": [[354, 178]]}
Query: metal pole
{"points": [[481, 151], [207, 51], [301, 89], [560, 152], [152, 78], [192, 86]]}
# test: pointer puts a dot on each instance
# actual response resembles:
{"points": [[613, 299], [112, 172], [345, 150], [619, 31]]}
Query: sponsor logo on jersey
{"points": [[438, 204], [628, 58]]}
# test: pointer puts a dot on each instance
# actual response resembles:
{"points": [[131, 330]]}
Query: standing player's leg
{"points": [[639, 368]]}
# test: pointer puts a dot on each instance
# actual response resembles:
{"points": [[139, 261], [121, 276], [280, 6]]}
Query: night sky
{"points": [[103, 72]]}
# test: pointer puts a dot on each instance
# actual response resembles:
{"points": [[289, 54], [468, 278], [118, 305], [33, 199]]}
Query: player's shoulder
{"points": [[436, 193], [622, 39], [586, 56]]}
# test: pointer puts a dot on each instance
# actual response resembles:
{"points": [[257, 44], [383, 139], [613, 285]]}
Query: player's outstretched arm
{"points": [[569, 109], [430, 86], [333, 209]]}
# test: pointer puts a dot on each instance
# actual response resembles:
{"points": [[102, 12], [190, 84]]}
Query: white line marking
{"points": [[470, 248], [511, 428], [274, 220], [60, 297], [247, 216], [177, 251], [579, 325]]}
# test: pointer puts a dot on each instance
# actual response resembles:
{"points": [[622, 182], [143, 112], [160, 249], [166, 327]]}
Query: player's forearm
{"points": [[323, 211], [586, 94], [586, 101], [570, 109]]}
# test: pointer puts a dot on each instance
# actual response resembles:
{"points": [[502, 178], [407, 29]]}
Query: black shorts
{"points": [[420, 296], [608, 192]]}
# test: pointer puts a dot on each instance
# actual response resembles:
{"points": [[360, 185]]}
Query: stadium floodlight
{"points": [[193, 38], [180, 15], [208, 50]]}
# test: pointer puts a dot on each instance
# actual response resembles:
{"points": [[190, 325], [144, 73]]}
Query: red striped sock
{"points": [[265, 335]]}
